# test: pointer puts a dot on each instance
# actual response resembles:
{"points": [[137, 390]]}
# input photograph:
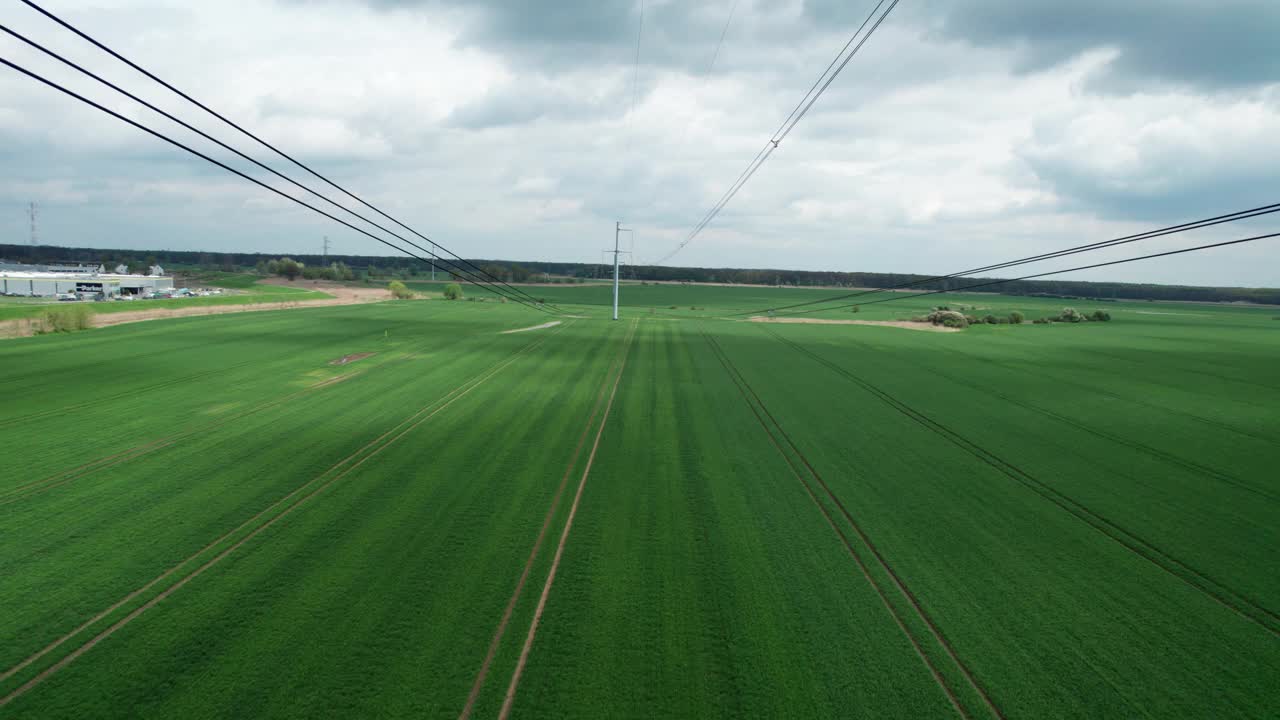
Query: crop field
{"points": [[400, 509]]}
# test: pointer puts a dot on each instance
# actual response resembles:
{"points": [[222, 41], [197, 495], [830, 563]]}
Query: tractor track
{"points": [[498, 634], [769, 423], [1269, 439], [1155, 452], [108, 461], [126, 393], [293, 499], [1140, 547], [1185, 369], [117, 396], [64, 477], [516, 674]]}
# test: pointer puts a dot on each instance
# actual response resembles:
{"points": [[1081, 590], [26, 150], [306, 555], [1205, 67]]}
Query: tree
{"points": [[287, 267], [453, 291], [399, 291], [1016, 317]]}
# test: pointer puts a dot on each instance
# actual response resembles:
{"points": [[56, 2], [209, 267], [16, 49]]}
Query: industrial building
{"points": [[48, 284]]}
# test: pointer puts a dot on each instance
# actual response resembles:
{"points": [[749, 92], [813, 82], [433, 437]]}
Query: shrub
{"points": [[1003, 321], [1016, 317], [399, 291], [1100, 316], [1071, 315], [948, 318], [990, 320], [855, 309], [65, 319], [1041, 321], [453, 291]]}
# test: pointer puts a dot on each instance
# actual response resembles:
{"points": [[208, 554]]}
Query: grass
{"points": [[778, 520], [248, 292]]}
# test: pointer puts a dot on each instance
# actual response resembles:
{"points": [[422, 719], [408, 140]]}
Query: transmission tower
{"points": [[325, 254]]}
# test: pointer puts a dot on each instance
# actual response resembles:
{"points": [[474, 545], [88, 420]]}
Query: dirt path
{"points": [[507, 702], [926, 327], [543, 326], [342, 295]]}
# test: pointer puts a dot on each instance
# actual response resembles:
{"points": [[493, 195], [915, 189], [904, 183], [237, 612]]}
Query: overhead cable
{"points": [[271, 147], [1159, 232], [801, 109], [991, 283], [453, 267], [220, 164]]}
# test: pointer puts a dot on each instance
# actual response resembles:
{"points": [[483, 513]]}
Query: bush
{"points": [[990, 320], [1016, 317], [1100, 316], [65, 319], [1041, 321], [453, 291], [399, 291], [948, 318], [1071, 315], [855, 309]]}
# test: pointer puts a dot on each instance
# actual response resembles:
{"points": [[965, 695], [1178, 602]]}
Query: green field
{"points": [[681, 514]]}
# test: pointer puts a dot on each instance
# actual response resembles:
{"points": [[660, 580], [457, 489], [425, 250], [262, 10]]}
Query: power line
{"points": [[222, 165], [1159, 232], [635, 78], [711, 66], [454, 267], [723, 31], [1053, 272], [271, 147], [801, 109]]}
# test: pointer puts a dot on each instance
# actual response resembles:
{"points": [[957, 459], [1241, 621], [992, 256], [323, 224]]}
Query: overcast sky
{"points": [[967, 132]]}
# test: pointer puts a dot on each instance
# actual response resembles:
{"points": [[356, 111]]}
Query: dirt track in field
{"points": [[346, 359], [342, 295], [505, 712], [769, 424], [501, 630]]}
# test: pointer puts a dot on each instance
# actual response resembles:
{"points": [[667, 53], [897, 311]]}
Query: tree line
{"points": [[378, 267]]}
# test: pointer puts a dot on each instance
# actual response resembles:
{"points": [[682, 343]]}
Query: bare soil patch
{"points": [[345, 359], [926, 327], [543, 326]]}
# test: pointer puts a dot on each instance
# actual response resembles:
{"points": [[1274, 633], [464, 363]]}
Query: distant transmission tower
{"points": [[326, 248], [33, 213]]}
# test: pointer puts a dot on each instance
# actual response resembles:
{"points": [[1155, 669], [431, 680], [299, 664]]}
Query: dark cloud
{"points": [[1221, 44]]}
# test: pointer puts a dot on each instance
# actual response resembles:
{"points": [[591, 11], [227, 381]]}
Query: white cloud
{"points": [[505, 135]]}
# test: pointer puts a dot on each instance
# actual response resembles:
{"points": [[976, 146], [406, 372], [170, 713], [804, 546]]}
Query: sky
{"points": [[965, 133]]}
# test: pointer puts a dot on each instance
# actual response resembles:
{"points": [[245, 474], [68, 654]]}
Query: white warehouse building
{"points": [[33, 283]]}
